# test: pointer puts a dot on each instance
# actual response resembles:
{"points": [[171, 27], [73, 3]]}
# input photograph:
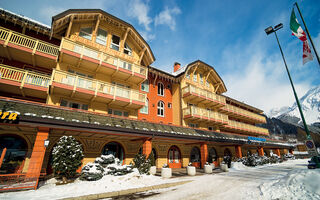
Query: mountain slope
{"points": [[310, 104]]}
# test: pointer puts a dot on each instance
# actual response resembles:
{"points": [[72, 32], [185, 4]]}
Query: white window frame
{"points": [[128, 49], [195, 77], [113, 111], [145, 86], [160, 89], [145, 109], [100, 40], [113, 45], [69, 104], [201, 78], [84, 34], [160, 107]]}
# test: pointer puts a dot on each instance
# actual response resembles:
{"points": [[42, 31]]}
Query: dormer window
{"points": [[86, 33], [115, 43], [101, 37], [127, 49]]}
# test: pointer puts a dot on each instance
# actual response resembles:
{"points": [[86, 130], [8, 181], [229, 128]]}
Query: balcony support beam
{"points": [[94, 34], [142, 54], [69, 26]]}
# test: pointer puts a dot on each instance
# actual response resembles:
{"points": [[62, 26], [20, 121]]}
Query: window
{"points": [[145, 86], [160, 109], [201, 78], [210, 128], [195, 77], [76, 105], [145, 109], [169, 105], [193, 125], [127, 49], [118, 112], [86, 33], [207, 83], [125, 65], [188, 75], [101, 37], [115, 43], [160, 89]]}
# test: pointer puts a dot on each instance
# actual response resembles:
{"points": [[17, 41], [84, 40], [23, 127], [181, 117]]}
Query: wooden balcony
{"points": [[26, 49], [239, 127], [242, 114], [197, 114], [22, 82], [79, 87], [193, 94], [98, 61]]}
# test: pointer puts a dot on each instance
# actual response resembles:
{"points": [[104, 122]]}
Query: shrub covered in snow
{"points": [[253, 160], [142, 163], [104, 165], [66, 157], [289, 156]]}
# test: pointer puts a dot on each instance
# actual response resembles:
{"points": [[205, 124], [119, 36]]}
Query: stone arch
{"points": [[115, 148]]}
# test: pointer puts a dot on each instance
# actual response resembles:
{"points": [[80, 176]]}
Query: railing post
{"points": [[130, 96], [23, 79], [52, 75], [75, 84], [8, 39], [115, 91], [35, 47], [96, 90]]}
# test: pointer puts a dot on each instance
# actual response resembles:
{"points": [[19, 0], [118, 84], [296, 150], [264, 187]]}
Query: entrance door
{"points": [[174, 157]]}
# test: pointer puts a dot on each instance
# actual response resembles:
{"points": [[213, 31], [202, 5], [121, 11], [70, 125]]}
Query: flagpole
{"points": [[314, 49]]}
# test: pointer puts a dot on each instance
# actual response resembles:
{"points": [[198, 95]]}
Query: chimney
{"points": [[176, 66]]}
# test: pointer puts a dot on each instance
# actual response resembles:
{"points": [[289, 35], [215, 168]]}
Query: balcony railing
{"points": [[247, 127], [103, 57], [244, 113], [205, 114], [98, 86], [23, 76], [204, 94], [35, 45]]}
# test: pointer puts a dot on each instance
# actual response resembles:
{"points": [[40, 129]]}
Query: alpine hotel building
{"points": [[89, 75]]}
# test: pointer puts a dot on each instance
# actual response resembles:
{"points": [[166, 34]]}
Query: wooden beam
{"points": [[207, 76], [126, 35], [69, 27], [94, 34], [142, 54]]}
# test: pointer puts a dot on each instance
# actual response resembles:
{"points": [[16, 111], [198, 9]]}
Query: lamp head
{"points": [[277, 27], [269, 30]]}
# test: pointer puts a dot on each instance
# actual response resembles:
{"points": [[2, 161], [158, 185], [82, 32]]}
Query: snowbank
{"points": [[108, 183]]}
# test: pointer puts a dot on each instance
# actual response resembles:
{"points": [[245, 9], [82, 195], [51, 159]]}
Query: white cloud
{"points": [[138, 9], [147, 36], [257, 78], [166, 17]]}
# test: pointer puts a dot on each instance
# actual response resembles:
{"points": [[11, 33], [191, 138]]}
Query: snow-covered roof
{"points": [[24, 19]]}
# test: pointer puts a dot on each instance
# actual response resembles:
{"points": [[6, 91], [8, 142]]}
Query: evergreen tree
{"points": [[152, 159], [66, 157], [142, 163]]}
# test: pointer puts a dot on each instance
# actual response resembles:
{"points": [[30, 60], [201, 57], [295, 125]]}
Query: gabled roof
{"points": [[99, 11], [184, 69]]}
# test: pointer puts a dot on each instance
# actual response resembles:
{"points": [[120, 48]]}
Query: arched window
{"points": [[212, 155], [14, 149], [145, 109], [160, 109], [195, 155], [115, 149], [160, 89]]}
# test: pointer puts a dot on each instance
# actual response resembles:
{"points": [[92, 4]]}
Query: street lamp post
{"points": [[274, 30]]}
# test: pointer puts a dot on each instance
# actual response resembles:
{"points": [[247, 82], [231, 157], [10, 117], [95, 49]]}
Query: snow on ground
{"points": [[108, 183], [288, 180]]}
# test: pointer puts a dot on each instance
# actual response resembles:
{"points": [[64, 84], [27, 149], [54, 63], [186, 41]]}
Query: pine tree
{"points": [[152, 159], [142, 163], [66, 157]]}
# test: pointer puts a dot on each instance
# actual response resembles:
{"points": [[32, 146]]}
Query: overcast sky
{"points": [[228, 35]]}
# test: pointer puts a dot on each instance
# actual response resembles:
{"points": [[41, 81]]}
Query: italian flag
{"points": [[299, 33]]}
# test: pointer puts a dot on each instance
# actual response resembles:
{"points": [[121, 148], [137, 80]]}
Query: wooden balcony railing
{"points": [[98, 86], [23, 76], [247, 127], [204, 94], [205, 114], [244, 113], [102, 57], [35, 45]]}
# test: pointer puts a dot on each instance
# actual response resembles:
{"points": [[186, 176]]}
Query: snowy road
{"points": [[289, 180]]}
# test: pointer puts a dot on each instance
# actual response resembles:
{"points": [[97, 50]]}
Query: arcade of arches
{"points": [[21, 155]]}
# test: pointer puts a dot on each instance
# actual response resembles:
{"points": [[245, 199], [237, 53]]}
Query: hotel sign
{"points": [[9, 117], [250, 138]]}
